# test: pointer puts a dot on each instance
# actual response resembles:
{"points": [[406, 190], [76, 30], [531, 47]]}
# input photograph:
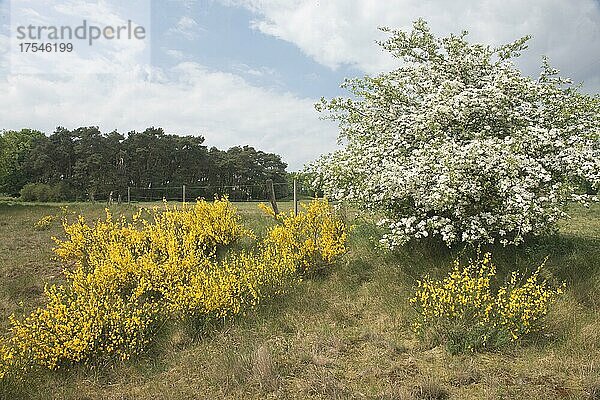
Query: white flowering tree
{"points": [[458, 144]]}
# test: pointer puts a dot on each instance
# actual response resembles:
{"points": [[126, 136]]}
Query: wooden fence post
{"points": [[183, 193], [271, 194], [295, 199]]}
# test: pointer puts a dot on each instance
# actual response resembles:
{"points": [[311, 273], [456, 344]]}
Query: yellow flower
{"points": [[464, 301], [125, 278]]}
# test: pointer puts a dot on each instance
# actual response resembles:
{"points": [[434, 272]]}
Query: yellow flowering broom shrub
{"points": [[44, 223], [75, 327], [125, 278], [122, 278], [464, 312], [224, 288], [314, 238], [170, 233]]}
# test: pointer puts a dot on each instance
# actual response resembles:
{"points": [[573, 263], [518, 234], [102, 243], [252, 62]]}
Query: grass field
{"points": [[344, 335]]}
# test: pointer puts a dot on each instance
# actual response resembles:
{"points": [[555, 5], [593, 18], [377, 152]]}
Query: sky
{"points": [[249, 71]]}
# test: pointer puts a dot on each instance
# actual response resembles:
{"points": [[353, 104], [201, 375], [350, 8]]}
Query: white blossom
{"points": [[458, 144]]}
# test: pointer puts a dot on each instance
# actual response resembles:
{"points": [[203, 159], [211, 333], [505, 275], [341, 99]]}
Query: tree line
{"points": [[86, 164]]}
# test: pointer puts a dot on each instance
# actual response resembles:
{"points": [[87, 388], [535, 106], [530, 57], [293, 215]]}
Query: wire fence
{"points": [[240, 193]]}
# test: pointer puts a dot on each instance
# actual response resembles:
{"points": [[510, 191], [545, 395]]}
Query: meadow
{"points": [[343, 334]]}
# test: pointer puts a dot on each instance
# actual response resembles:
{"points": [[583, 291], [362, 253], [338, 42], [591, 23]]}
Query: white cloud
{"points": [[4, 52], [97, 12], [176, 54], [124, 53], [254, 71], [186, 27], [336, 32], [188, 99]]}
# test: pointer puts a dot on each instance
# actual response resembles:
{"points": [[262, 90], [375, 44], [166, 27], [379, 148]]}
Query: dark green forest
{"points": [[86, 164]]}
